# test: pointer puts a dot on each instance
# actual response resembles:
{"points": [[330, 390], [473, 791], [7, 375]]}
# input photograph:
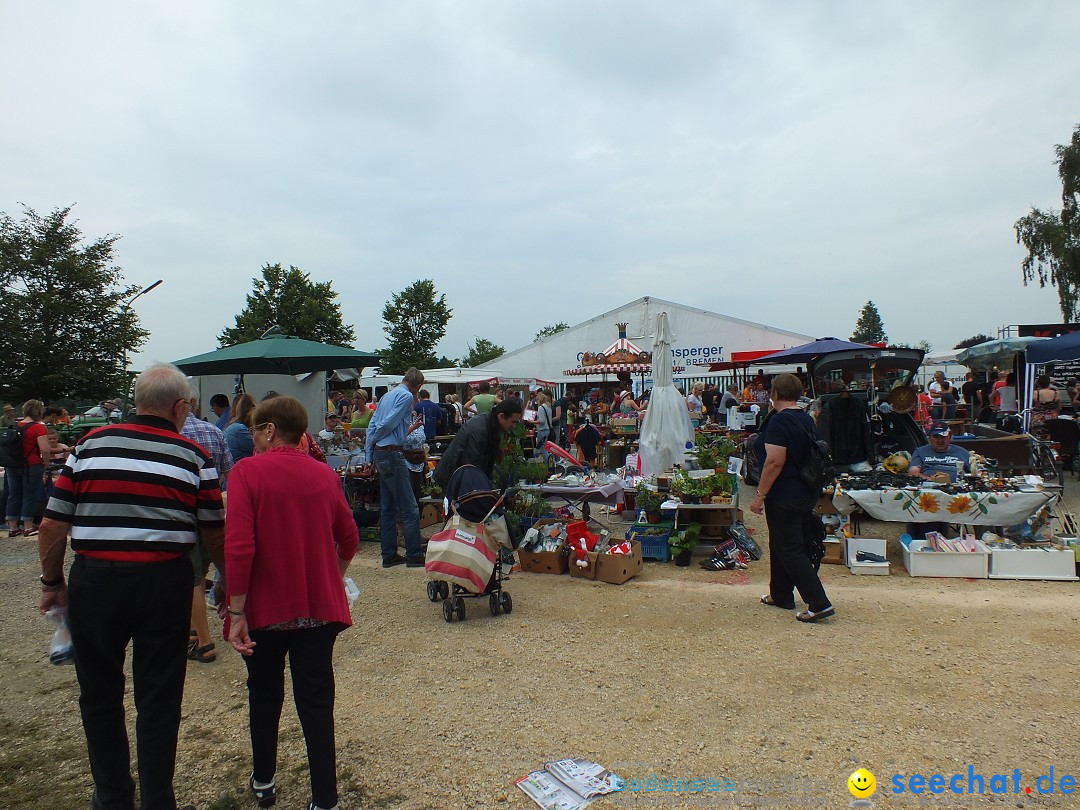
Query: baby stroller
{"points": [[463, 560]]}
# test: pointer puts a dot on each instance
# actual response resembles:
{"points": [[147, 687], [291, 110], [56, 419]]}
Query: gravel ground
{"points": [[678, 673]]}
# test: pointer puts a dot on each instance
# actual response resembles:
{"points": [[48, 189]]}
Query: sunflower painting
{"points": [[960, 504], [928, 502]]}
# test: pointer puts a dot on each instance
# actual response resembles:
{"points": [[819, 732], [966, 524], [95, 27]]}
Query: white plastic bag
{"points": [[60, 649], [352, 590]]}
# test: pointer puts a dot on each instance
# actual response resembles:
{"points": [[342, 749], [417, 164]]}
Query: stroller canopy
{"points": [[470, 492]]}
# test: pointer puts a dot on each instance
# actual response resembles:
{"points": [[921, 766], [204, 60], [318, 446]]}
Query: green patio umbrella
{"points": [[276, 354]]}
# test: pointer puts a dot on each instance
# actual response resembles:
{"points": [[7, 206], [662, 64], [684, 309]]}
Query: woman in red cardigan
{"points": [[289, 537]]}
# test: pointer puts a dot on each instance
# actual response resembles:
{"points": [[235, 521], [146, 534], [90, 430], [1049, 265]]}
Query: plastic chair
{"points": [[1065, 433]]}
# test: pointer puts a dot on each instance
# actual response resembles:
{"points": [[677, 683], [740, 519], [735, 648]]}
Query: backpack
{"points": [[817, 468], [11, 448]]}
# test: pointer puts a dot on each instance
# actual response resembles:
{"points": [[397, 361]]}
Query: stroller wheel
{"points": [[444, 590], [493, 604], [447, 611], [433, 591], [459, 608], [505, 602]]}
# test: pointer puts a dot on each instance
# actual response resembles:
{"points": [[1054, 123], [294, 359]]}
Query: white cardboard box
{"points": [[1032, 563], [872, 544], [920, 561]]}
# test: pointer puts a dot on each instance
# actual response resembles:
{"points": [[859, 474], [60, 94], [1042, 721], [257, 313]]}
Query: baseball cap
{"points": [[940, 429], [331, 414]]}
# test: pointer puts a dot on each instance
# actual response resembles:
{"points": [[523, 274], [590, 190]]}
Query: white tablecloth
{"points": [[930, 505]]}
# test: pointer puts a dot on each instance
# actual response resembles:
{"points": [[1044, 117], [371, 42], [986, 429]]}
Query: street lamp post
{"points": [[127, 383]]}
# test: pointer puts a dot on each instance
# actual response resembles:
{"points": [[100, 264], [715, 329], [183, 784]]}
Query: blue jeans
{"points": [[396, 498], [24, 493]]}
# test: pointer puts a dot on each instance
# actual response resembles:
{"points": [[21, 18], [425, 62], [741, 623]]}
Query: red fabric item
{"points": [[31, 431], [287, 523]]}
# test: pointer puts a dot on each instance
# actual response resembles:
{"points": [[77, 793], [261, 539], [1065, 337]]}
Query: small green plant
{"points": [[647, 499], [686, 540]]}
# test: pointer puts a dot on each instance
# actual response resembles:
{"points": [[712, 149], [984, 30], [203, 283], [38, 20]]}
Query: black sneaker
{"points": [[414, 562], [264, 796], [390, 562]]}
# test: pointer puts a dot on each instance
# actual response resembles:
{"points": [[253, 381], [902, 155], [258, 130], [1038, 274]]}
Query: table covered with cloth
{"points": [[927, 505], [581, 497]]}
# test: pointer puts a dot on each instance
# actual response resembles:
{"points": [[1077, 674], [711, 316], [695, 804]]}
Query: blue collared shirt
{"points": [[391, 421]]}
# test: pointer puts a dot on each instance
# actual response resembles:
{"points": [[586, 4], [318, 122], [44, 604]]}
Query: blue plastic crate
{"points": [[653, 546]]}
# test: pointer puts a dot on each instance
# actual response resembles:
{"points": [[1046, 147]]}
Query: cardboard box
{"points": [[430, 515], [835, 553], [872, 544], [612, 568], [544, 562], [921, 561], [825, 506]]}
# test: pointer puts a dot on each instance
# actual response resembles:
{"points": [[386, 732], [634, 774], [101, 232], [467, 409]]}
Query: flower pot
{"points": [[652, 517], [683, 557]]}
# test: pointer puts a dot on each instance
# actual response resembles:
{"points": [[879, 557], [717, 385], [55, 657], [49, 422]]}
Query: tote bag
{"points": [[461, 554]]}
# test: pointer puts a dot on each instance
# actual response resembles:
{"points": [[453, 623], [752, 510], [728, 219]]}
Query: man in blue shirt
{"points": [[386, 433], [938, 457], [432, 414], [219, 404]]}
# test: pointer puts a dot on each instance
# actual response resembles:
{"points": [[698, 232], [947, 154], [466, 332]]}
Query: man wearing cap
{"points": [[933, 460], [332, 424], [937, 462]]}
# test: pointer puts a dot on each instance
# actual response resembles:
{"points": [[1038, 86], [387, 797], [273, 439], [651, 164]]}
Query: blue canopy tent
{"points": [[808, 351], [1048, 350]]}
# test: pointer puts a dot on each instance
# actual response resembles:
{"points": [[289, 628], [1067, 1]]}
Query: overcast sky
{"points": [[543, 161]]}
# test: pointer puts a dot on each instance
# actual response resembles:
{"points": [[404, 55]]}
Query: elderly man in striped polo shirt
{"points": [[135, 498]]}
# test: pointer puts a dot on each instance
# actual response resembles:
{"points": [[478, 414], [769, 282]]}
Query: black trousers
{"points": [[311, 663], [789, 566], [149, 605]]}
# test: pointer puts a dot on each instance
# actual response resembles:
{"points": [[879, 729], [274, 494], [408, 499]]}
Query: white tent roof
{"points": [[699, 335]]}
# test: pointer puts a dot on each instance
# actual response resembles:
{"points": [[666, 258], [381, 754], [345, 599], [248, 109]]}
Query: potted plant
{"points": [[683, 543], [649, 502]]}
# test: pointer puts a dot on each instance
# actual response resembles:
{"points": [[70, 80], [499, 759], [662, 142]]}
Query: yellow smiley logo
{"points": [[862, 784]]}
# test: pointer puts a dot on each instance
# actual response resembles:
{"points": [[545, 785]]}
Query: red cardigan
{"points": [[286, 525]]}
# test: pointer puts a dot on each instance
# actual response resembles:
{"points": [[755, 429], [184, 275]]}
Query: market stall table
{"points": [[928, 505], [580, 497]]}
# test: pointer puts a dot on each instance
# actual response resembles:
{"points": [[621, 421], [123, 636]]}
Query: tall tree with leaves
{"points": [[65, 325], [415, 321], [290, 299], [869, 328], [548, 331], [482, 351], [1052, 239]]}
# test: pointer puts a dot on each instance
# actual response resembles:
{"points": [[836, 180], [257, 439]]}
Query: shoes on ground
{"points": [[202, 655], [414, 562], [816, 615], [390, 562], [266, 794]]}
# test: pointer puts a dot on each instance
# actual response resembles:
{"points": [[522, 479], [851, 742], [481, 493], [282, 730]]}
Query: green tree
{"points": [[62, 306], [290, 299], [415, 321], [974, 340], [869, 328], [482, 351], [548, 331], [1052, 239]]}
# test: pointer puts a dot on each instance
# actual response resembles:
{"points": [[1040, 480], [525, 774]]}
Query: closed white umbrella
{"points": [[667, 427]]}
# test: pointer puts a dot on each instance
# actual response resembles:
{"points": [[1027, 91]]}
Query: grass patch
{"points": [[41, 770], [226, 801]]}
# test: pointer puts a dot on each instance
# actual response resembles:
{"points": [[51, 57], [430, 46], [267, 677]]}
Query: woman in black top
{"points": [[479, 442], [788, 504]]}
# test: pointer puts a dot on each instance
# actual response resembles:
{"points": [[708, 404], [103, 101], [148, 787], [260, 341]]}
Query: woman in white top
{"points": [[693, 402]]}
